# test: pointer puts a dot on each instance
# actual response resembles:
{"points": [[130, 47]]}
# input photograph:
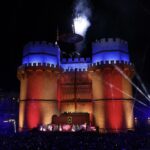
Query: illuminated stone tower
{"points": [[38, 88], [111, 72], [100, 87]]}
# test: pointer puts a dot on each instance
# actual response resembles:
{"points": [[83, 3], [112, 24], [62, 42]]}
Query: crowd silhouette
{"points": [[37, 140]]}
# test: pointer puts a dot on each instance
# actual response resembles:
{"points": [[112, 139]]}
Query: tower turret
{"points": [[111, 72], [110, 49], [38, 88]]}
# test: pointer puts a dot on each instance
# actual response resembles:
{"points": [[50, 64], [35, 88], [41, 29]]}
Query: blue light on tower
{"points": [[110, 50], [73, 66], [115, 56], [41, 53], [76, 63], [102, 51], [40, 58]]}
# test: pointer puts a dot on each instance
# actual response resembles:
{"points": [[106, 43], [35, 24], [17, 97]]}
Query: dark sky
{"points": [[31, 20]]}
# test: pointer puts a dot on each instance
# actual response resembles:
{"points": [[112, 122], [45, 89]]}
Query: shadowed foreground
{"points": [[36, 140]]}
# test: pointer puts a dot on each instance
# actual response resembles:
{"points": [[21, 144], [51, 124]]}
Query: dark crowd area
{"points": [[36, 140]]}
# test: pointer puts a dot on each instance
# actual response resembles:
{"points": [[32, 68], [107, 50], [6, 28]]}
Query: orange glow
{"points": [[127, 89], [98, 105], [38, 86], [100, 114], [128, 105], [97, 85], [23, 88], [128, 113], [21, 115], [43, 95], [85, 107], [48, 109], [68, 86], [67, 107]]}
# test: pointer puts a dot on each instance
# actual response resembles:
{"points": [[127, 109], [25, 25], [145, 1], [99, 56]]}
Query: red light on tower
{"points": [[112, 92], [38, 89]]}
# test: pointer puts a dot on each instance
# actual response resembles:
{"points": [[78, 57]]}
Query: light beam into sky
{"points": [[141, 82], [126, 77], [130, 96], [149, 96]]}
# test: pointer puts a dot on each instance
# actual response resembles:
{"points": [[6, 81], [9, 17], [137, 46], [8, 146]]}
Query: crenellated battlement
{"points": [[110, 40], [41, 52], [40, 65], [37, 67], [76, 60], [110, 63], [78, 64], [106, 44], [40, 47], [51, 85], [77, 69]]}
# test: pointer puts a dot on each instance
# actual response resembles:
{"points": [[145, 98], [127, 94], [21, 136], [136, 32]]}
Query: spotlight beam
{"points": [[126, 94], [126, 77]]}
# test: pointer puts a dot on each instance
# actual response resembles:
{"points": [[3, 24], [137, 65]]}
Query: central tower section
{"points": [[76, 87]]}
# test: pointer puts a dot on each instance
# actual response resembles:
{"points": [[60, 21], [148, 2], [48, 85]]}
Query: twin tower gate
{"points": [[101, 86]]}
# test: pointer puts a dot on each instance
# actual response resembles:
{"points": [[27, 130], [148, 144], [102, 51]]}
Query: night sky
{"points": [[31, 20]]}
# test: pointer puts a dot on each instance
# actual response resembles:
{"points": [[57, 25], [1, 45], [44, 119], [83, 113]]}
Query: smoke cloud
{"points": [[82, 13]]}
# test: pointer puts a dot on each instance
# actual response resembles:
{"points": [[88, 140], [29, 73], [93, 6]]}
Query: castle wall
{"points": [[98, 104], [39, 103], [128, 105], [112, 96], [96, 87], [76, 93]]}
